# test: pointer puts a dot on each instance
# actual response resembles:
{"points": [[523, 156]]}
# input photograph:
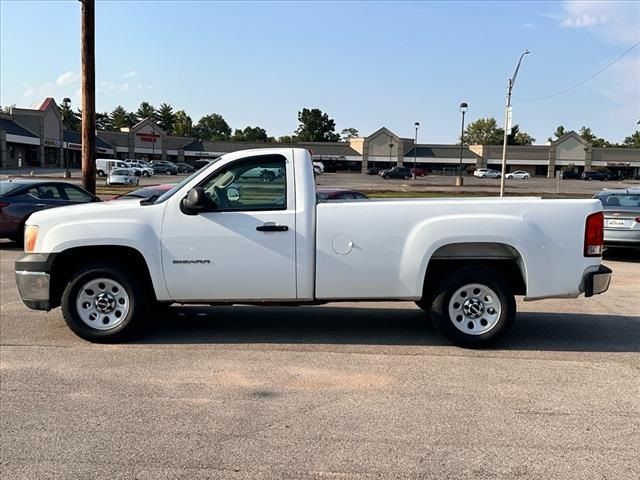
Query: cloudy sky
{"points": [[368, 64]]}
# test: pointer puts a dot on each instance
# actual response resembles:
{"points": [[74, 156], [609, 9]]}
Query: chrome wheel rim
{"points": [[474, 309], [102, 303]]}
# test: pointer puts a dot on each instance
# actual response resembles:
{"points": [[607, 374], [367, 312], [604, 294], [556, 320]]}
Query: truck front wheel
{"points": [[473, 307], [104, 304]]}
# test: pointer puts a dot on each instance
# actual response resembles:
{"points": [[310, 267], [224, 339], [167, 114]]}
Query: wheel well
{"points": [[499, 258], [69, 261]]}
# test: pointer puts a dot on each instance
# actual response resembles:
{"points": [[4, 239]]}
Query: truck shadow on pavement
{"points": [[383, 327]]}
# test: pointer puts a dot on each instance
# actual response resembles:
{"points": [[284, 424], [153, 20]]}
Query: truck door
{"points": [[242, 247]]}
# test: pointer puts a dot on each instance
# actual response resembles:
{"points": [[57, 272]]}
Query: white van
{"points": [[105, 165]]}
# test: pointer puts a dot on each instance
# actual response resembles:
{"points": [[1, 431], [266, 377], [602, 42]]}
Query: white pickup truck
{"points": [[226, 235]]}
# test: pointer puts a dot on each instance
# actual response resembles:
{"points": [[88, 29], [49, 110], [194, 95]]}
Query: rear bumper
{"points": [[597, 281]]}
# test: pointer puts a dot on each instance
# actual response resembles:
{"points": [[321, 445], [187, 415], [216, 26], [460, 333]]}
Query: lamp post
{"points": [[66, 101], [415, 148], [390, 149], [463, 110], [507, 122]]}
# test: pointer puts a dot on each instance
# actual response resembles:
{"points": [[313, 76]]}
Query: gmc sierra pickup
{"points": [[247, 230]]}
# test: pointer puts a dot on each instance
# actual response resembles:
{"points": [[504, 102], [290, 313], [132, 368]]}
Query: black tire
{"points": [[145, 174], [386, 177], [140, 300], [100, 173], [168, 172], [453, 283]]}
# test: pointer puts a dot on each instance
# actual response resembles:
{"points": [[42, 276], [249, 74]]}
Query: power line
{"points": [[586, 79]]}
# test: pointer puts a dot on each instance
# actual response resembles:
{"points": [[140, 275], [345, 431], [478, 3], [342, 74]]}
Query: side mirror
{"points": [[196, 201]]}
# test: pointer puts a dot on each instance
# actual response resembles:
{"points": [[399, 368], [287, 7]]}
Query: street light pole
{"points": [[66, 101], [463, 110], [415, 149], [507, 122]]}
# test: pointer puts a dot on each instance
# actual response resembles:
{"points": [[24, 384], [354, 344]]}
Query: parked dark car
{"points": [[185, 168], [571, 175], [20, 198], [198, 164], [373, 171], [163, 167], [396, 172], [598, 175], [146, 192], [331, 194]]}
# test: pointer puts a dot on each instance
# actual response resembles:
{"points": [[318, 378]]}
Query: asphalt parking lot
{"points": [[336, 391]]}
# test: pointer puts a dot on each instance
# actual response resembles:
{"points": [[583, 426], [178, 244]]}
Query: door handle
{"points": [[40, 205], [272, 227]]}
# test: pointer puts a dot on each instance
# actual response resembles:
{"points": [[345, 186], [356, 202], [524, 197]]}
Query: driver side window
{"points": [[258, 183]]}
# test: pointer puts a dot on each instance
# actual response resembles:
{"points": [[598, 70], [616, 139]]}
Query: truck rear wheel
{"points": [[104, 304], [473, 307]]}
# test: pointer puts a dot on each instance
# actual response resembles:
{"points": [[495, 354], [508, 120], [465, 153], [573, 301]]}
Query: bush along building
{"points": [[36, 137]]}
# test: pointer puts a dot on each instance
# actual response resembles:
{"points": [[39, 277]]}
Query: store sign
{"points": [[51, 143], [147, 137], [618, 164], [206, 154], [101, 150], [75, 146]]}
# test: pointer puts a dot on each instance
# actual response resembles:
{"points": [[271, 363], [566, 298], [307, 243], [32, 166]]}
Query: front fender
{"points": [[132, 233]]}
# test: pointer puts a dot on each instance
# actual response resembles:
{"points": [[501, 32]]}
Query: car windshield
{"points": [[615, 200], [120, 172], [168, 194], [7, 187]]}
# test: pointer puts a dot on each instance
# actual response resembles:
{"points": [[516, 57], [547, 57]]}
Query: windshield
{"points": [[120, 172], [168, 194], [7, 187]]}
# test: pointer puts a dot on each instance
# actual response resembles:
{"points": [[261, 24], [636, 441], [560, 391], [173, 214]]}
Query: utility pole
{"points": [[507, 122], [88, 96]]}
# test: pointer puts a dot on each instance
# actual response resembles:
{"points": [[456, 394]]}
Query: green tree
{"points": [[166, 118], [212, 127], [119, 118], [131, 119], [103, 121], [516, 137], [560, 131], [146, 110], [287, 139], [484, 131], [632, 140], [70, 119], [250, 134], [316, 126], [348, 133], [593, 139], [183, 125]]}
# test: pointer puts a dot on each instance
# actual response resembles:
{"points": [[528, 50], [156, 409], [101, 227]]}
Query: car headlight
{"points": [[30, 237]]}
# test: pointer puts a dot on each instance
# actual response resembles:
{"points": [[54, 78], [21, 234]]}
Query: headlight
{"points": [[30, 237]]}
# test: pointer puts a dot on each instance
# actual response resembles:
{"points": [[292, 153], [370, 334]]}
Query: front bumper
{"points": [[597, 281], [34, 280]]}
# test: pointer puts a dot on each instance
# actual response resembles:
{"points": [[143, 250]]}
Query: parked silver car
{"points": [[621, 217]]}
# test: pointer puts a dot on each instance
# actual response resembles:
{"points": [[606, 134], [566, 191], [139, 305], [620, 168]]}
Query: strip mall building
{"points": [[36, 137]]}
